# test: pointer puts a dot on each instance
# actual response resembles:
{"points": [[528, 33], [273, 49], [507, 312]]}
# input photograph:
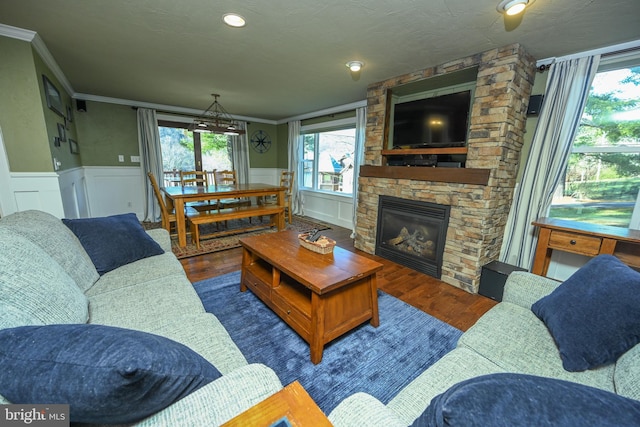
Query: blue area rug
{"points": [[379, 361]]}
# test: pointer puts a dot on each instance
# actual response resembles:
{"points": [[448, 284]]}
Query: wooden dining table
{"points": [[180, 195]]}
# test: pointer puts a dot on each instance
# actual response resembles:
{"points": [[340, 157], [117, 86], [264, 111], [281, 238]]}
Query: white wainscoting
{"points": [[265, 175], [73, 191], [114, 190], [36, 190], [330, 208]]}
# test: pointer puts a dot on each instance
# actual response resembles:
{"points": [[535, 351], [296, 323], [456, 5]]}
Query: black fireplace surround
{"points": [[412, 233]]}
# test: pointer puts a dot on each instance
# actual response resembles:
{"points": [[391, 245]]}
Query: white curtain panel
{"points": [[361, 125], [150, 159], [295, 154], [240, 154], [566, 93]]}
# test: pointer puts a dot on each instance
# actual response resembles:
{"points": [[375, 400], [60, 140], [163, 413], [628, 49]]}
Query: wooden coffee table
{"points": [[320, 296]]}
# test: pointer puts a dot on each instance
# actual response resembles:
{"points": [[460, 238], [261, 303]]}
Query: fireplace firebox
{"points": [[412, 233]]}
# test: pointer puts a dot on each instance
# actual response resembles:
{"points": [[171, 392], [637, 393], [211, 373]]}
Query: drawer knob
{"points": [[288, 311], [573, 242]]}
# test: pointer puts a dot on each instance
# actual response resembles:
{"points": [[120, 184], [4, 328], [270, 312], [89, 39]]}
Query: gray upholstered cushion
{"points": [[627, 373], [34, 289], [517, 341], [144, 304], [220, 400], [52, 236]]}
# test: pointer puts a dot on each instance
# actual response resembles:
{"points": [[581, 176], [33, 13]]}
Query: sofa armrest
{"points": [[161, 236], [361, 409], [220, 400], [524, 289]]}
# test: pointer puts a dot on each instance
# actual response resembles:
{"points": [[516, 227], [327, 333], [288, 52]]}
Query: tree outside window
{"points": [[184, 150], [602, 179]]}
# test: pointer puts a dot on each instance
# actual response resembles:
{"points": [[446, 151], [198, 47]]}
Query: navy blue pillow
{"points": [[113, 241], [106, 374], [508, 399], [594, 316]]}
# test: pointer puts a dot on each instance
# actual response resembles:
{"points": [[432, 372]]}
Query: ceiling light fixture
{"points": [[234, 20], [513, 7], [355, 66], [215, 119]]}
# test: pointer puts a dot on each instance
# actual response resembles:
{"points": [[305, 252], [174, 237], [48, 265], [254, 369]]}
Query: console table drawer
{"points": [[576, 243], [257, 286], [300, 322]]}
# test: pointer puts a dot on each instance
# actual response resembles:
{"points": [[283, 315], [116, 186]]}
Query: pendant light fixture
{"points": [[215, 119]]}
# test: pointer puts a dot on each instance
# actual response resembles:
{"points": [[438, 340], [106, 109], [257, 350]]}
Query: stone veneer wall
{"points": [[478, 213]]}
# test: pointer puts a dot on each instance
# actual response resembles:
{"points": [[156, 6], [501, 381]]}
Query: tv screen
{"points": [[441, 121]]}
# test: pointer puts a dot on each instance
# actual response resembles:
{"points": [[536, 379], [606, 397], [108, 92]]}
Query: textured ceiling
{"points": [[290, 58]]}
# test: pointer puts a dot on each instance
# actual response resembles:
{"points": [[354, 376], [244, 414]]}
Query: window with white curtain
{"points": [[602, 179], [327, 156]]}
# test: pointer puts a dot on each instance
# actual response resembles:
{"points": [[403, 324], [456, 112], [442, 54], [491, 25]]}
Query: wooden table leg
{"points": [[181, 228], [317, 328], [375, 316]]}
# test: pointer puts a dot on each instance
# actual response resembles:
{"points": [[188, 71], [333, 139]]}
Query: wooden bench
{"points": [[208, 217]]}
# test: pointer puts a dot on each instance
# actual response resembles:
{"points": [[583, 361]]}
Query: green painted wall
{"points": [[538, 88], [21, 112], [106, 131], [52, 119], [283, 146], [268, 159]]}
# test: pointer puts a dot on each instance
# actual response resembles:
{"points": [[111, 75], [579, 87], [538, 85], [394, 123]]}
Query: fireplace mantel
{"points": [[419, 173]]}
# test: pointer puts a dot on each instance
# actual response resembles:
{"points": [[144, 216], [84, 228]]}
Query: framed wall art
{"points": [[73, 146], [62, 132], [52, 94]]}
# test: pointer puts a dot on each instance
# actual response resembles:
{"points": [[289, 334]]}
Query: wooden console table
{"points": [[584, 239]]}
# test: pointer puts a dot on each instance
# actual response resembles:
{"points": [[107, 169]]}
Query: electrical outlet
{"points": [[135, 159], [120, 158]]}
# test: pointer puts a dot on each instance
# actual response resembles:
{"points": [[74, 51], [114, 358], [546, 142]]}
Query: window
{"points": [[327, 159], [602, 179], [185, 150]]}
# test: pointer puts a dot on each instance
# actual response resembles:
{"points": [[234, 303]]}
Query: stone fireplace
{"points": [[479, 196]]}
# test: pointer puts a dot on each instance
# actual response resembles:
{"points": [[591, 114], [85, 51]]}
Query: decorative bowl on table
{"points": [[323, 245]]}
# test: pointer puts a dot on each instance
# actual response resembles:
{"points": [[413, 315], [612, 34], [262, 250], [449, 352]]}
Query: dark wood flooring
{"points": [[443, 301]]}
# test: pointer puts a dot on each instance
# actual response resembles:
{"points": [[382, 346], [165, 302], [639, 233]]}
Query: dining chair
{"points": [[200, 178], [168, 216], [194, 177], [228, 177], [286, 180]]}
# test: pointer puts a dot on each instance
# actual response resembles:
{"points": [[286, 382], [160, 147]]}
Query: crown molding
{"points": [[162, 108], [40, 47], [327, 111], [16, 33]]}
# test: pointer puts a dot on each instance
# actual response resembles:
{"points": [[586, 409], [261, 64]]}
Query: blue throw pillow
{"points": [[508, 399], [113, 241], [106, 374], [594, 316]]}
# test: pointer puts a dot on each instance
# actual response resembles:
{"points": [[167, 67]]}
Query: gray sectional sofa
{"points": [[46, 277], [508, 338]]}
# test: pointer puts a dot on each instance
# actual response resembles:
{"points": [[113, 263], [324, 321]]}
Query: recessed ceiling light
{"points": [[513, 7], [355, 66], [234, 20]]}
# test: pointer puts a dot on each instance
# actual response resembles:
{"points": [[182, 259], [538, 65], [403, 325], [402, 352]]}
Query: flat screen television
{"points": [[441, 121]]}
